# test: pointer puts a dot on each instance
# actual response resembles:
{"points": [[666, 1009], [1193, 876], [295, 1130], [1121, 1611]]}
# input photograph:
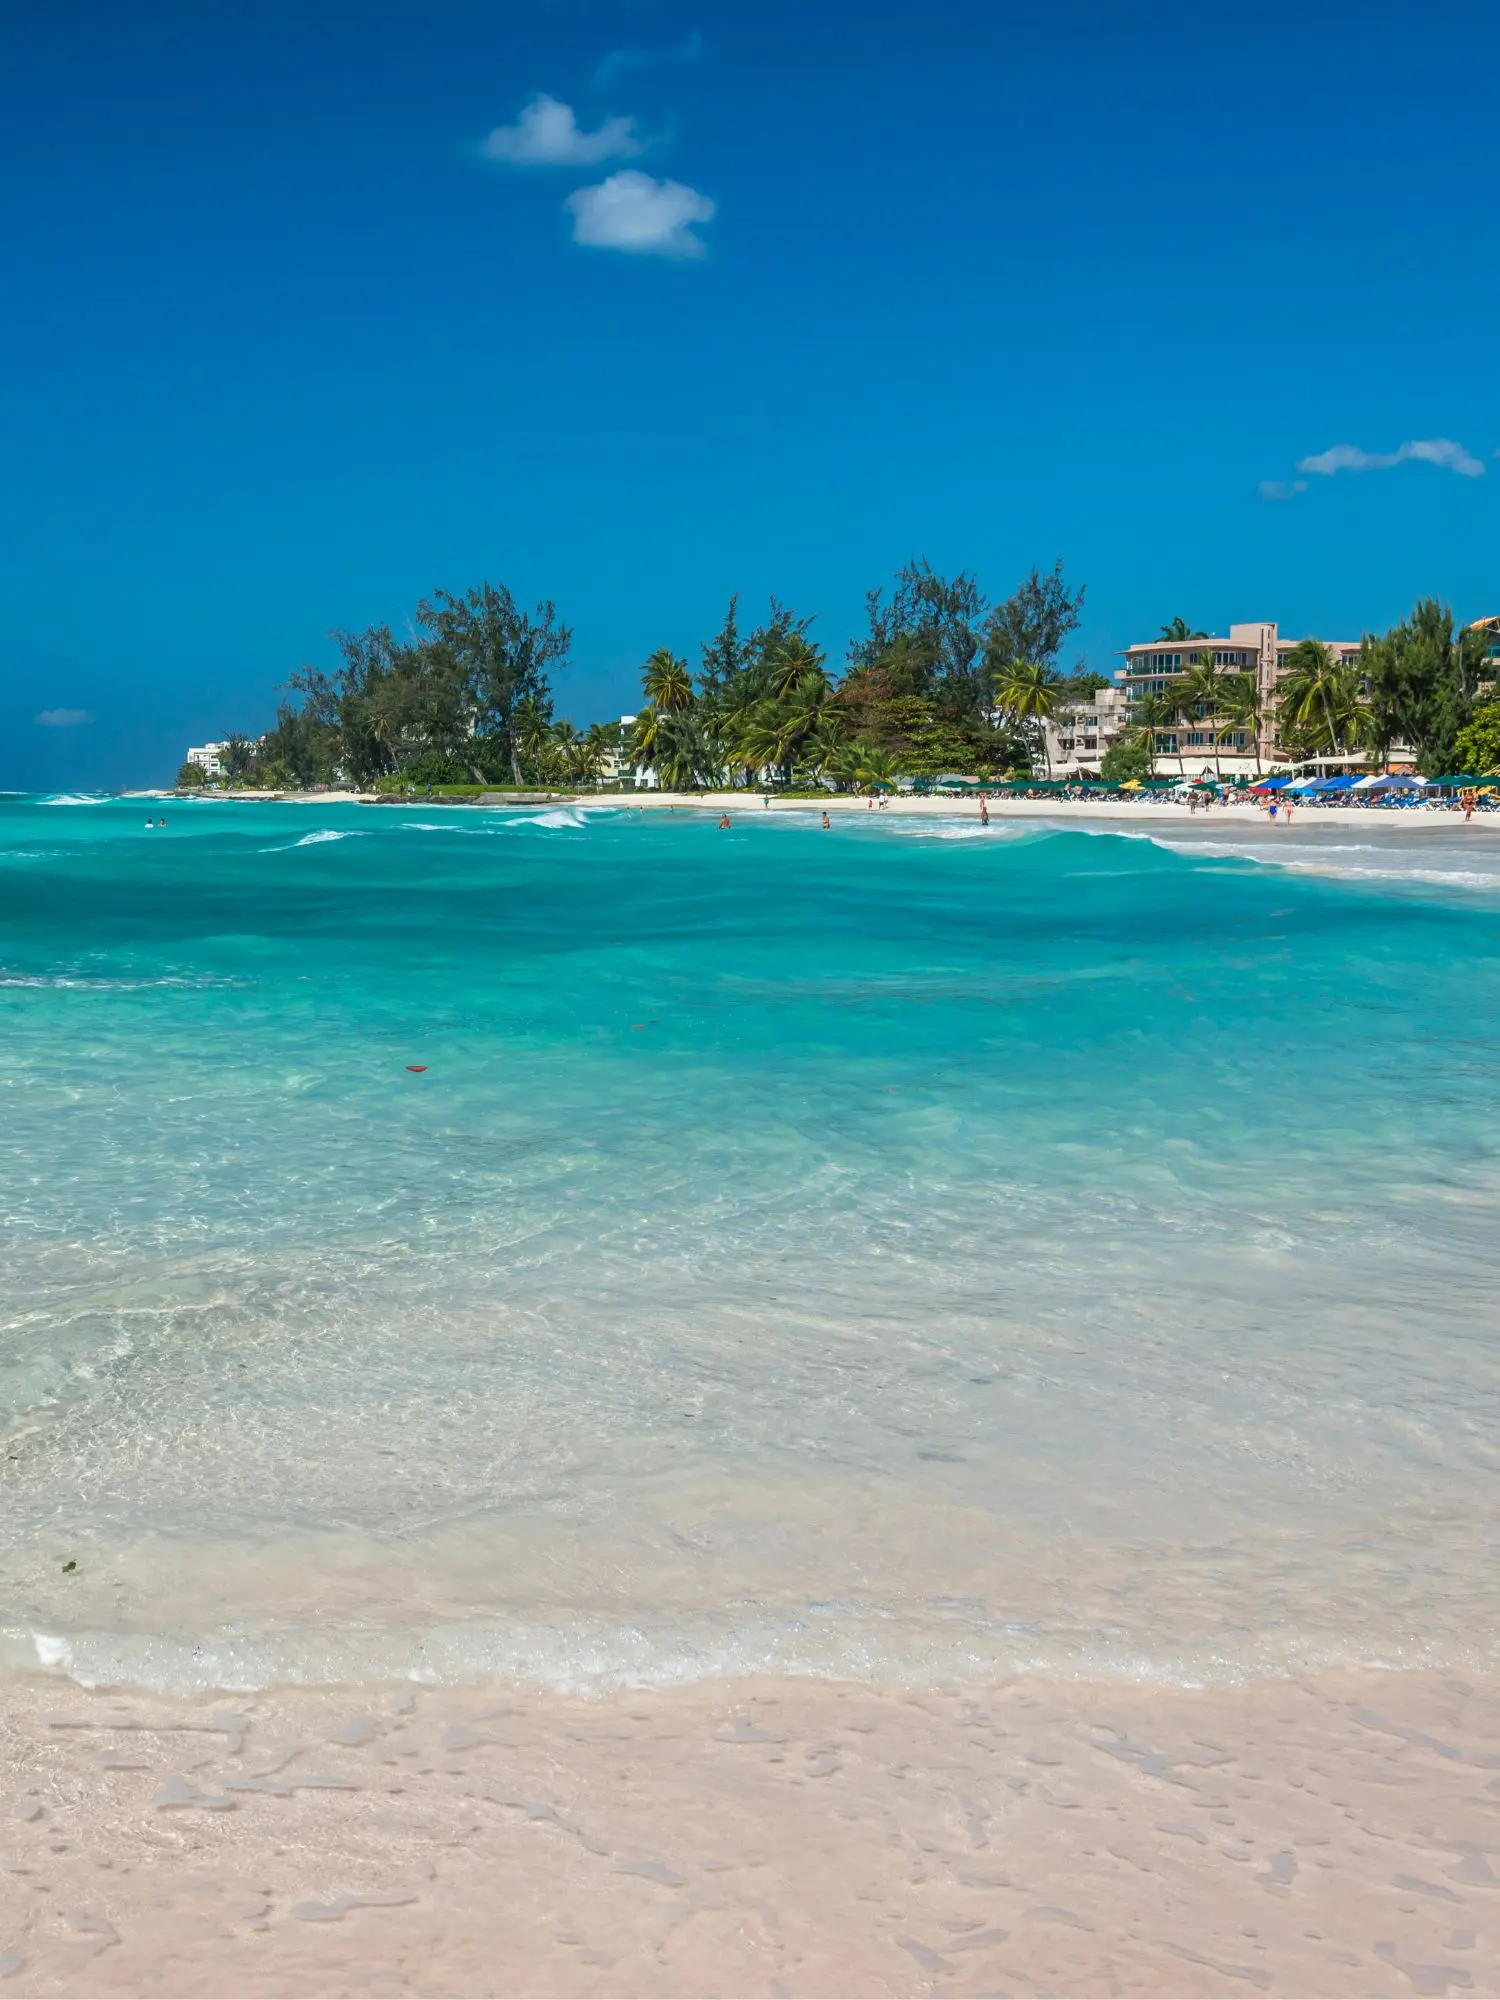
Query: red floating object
{"points": [[417, 1069]]}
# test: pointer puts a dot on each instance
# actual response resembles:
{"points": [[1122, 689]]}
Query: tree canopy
{"points": [[466, 695]]}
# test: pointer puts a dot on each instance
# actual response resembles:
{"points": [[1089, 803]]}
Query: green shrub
{"points": [[1130, 758]]}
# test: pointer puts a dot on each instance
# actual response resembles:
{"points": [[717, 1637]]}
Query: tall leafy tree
{"points": [[1423, 677], [503, 656], [1034, 621], [925, 638], [724, 657]]}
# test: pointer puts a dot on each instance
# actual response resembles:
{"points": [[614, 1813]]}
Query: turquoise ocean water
{"points": [[901, 1252]]}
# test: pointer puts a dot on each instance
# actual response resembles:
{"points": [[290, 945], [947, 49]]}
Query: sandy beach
{"points": [[1335, 1835], [1087, 812]]}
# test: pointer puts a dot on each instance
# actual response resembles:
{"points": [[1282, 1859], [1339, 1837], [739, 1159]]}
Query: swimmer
{"points": [[984, 811], [723, 821], [826, 827], [161, 822]]}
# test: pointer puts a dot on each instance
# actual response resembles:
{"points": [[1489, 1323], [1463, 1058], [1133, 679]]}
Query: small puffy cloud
{"points": [[1281, 489], [1445, 452], [63, 718], [632, 211], [548, 135], [620, 62]]}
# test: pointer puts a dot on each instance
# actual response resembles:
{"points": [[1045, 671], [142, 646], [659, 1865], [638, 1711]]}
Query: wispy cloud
{"points": [[63, 718], [621, 62], [1445, 452], [632, 211], [548, 135], [1281, 489]]}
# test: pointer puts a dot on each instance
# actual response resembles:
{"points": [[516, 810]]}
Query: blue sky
{"points": [[310, 315]]}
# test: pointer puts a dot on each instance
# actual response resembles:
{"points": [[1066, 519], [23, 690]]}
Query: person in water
{"points": [[723, 821], [825, 822], [984, 810]]}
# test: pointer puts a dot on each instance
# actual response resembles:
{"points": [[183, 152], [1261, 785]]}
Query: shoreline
{"points": [[1331, 1834], [748, 805]]}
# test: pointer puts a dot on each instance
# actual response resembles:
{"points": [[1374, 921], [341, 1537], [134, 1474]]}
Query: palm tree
{"points": [[1239, 704], [794, 659], [531, 730], [1029, 691], [1149, 718], [681, 751], [599, 741], [822, 750], [1198, 694], [585, 758], [873, 766], [666, 682], [1178, 630], [1320, 700]]}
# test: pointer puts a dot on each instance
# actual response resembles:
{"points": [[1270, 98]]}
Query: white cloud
{"points": [[547, 135], [619, 62], [1281, 489], [63, 718], [631, 211], [1429, 451]]}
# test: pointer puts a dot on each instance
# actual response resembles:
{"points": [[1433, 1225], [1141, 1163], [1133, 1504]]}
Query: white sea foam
{"points": [[77, 799], [316, 838], [84, 983], [937, 829], [559, 816], [1433, 858]]}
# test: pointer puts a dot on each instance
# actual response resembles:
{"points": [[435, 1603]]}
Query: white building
{"points": [[210, 758], [615, 766], [1079, 736]]}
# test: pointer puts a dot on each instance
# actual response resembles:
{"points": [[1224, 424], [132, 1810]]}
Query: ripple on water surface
{"points": [[863, 1255]]}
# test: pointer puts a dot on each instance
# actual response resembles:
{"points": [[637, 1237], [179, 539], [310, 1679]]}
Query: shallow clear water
{"points": [[894, 1252]]}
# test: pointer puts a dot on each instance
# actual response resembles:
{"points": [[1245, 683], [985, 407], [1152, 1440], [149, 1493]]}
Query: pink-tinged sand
{"points": [[1338, 1835]]}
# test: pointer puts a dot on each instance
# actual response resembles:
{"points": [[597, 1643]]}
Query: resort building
{"points": [[1490, 627], [209, 756], [1200, 741], [1079, 736], [615, 765]]}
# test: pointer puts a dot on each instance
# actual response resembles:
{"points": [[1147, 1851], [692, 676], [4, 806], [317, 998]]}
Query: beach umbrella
{"points": [[1393, 781]]}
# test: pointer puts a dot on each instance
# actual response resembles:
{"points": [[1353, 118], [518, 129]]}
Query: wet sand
{"points": [[1337, 1835]]}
